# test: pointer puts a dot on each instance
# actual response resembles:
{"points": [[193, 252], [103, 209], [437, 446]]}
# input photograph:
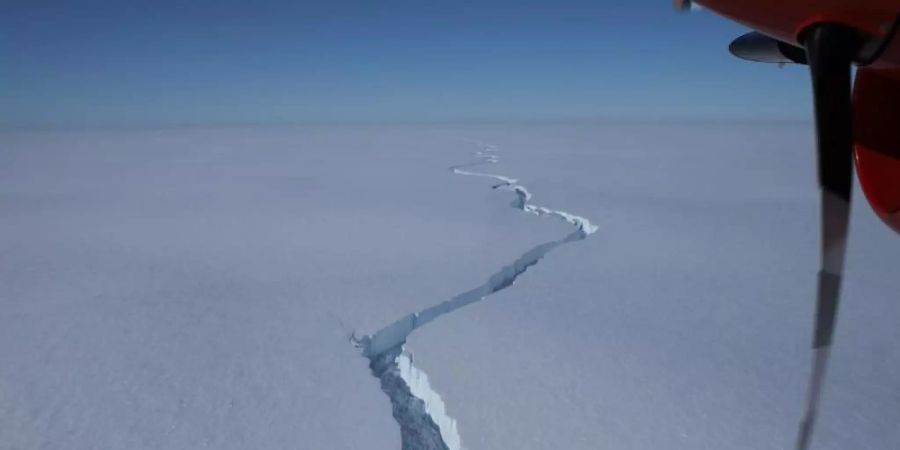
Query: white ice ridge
{"points": [[417, 381], [397, 332], [417, 407], [522, 194]]}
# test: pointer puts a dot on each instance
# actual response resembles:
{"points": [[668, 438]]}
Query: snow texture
{"points": [[686, 322], [191, 288], [419, 410]]}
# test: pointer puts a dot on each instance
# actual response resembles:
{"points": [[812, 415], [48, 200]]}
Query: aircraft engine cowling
{"points": [[876, 117]]}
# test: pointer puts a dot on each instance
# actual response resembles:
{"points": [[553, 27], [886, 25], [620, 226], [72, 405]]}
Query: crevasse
{"points": [[418, 409]]}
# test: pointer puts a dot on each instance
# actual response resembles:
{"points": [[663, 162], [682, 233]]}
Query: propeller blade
{"points": [[830, 49]]}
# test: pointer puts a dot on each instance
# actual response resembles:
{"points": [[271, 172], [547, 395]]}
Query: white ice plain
{"points": [[198, 288]]}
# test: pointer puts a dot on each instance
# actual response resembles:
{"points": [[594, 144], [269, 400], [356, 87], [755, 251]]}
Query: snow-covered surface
{"points": [[418, 408], [685, 322], [198, 287]]}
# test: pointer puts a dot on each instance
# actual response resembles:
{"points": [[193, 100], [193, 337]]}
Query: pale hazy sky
{"points": [[147, 63]]}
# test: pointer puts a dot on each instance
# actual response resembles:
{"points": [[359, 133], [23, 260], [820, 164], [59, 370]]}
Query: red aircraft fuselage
{"points": [[876, 92]]}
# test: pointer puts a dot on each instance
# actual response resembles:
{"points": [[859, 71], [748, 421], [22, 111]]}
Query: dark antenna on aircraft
{"points": [[682, 5]]}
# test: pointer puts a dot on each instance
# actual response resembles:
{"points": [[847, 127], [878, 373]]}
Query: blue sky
{"points": [[151, 63]]}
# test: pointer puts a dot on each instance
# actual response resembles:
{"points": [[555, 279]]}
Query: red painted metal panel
{"points": [[876, 105]]}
